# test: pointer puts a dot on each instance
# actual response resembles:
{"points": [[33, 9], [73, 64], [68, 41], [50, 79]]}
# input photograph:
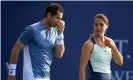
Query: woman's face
{"points": [[99, 27]]}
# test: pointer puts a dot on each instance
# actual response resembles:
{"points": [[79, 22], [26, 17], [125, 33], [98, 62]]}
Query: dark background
{"points": [[78, 16]]}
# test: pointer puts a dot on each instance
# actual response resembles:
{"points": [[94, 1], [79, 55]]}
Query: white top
{"points": [[100, 59]]}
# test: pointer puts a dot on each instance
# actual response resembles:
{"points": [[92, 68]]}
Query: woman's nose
{"points": [[98, 27]]}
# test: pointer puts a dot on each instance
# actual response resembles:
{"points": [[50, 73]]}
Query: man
{"points": [[39, 41]]}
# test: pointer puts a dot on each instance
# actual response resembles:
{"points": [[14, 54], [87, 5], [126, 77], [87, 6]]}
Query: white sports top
{"points": [[100, 59]]}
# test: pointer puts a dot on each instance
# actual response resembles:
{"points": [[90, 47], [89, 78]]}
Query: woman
{"points": [[98, 51]]}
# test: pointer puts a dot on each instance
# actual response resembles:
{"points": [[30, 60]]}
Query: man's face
{"points": [[52, 19]]}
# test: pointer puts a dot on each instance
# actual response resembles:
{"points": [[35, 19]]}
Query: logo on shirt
{"points": [[43, 33]]}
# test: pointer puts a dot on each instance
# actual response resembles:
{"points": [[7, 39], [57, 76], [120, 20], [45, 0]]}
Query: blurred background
{"points": [[78, 15]]}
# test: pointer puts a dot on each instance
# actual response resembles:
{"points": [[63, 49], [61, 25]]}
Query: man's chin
{"points": [[54, 25]]}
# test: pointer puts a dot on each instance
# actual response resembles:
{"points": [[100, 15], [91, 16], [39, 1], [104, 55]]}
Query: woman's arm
{"points": [[85, 56], [118, 58]]}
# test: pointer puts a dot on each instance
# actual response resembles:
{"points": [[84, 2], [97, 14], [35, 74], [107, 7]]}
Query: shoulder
{"points": [[88, 43], [35, 26], [87, 47]]}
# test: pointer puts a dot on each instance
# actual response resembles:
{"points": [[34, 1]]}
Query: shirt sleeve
{"points": [[26, 35]]}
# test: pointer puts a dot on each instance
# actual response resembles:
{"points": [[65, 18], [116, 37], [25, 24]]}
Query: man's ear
{"points": [[49, 15]]}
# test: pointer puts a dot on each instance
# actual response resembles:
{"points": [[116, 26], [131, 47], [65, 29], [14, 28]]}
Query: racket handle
{"points": [[7, 67]]}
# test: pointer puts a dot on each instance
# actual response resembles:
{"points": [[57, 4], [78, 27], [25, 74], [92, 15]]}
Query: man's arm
{"points": [[13, 60], [59, 44], [59, 50], [15, 52], [22, 41]]}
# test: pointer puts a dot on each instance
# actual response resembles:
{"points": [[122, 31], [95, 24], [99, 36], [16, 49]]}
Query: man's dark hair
{"points": [[53, 8]]}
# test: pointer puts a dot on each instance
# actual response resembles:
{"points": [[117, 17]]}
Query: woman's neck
{"points": [[99, 40]]}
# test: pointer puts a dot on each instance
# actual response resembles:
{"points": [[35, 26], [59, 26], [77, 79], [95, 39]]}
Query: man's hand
{"points": [[11, 78], [60, 26]]}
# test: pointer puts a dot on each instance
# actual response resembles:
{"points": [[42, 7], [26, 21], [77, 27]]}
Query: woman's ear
{"points": [[107, 26]]}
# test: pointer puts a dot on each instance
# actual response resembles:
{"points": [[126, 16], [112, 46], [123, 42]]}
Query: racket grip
{"points": [[7, 67]]}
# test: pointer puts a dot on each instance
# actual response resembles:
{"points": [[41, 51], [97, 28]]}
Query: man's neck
{"points": [[45, 23]]}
